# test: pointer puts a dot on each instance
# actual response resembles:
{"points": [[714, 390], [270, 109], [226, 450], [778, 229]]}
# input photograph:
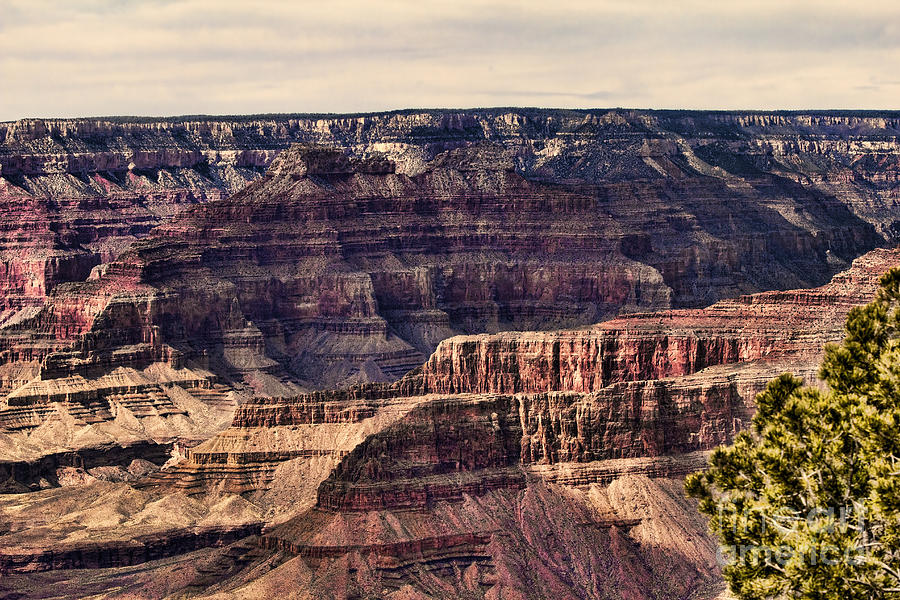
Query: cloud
{"points": [[100, 57]]}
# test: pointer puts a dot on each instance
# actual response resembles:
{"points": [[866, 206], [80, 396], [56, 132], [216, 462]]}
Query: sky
{"points": [[175, 57]]}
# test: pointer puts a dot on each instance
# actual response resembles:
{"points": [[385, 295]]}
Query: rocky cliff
{"points": [[785, 326], [332, 270], [86, 188], [641, 385], [572, 435], [142, 306], [335, 254], [509, 465], [336, 268], [523, 219], [515, 464]]}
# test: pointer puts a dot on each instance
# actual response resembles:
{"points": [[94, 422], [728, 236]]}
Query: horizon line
{"points": [[410, 110]]}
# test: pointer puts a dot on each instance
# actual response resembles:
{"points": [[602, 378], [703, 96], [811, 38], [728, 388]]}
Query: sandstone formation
{"points": [[510, 465], [642, 385], [332, 270], [102, 523], [350, 266], [85, 188], [535, 464], [143, 310]]}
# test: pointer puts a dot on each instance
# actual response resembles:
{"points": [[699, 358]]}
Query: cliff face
{"points": [[646, 385], [693, 179], [512, 462], [507, 462], [785, 326], [333, 269], [353, 265]]}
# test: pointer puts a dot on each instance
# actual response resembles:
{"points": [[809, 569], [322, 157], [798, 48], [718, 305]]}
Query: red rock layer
{"points": [[510, 460], [330, 255], [99, 184], [771, 326], [141, 549], [499, 421], [329, 269], [455, 446], [644, 385]]}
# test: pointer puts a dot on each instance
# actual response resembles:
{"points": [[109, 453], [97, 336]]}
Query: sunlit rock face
{"points": [[417, 226], [644, 385], [351, 262], [173, 289], [521, 464]]}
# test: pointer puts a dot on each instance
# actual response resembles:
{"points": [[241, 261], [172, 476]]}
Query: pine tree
{"points": [[806, 504]]}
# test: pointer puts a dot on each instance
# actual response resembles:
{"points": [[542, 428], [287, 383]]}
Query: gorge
{"points": [[421, 354]]}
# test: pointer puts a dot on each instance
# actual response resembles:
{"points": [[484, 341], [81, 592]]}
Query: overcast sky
{"points": [[173, 57]]}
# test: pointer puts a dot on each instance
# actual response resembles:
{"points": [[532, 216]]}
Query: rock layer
{"points": [[85, 188], [506, 446], [350, 265], [784, 326], [507, 461], [332, 269]]}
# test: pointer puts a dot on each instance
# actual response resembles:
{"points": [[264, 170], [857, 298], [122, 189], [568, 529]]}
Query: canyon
{"points": [[506, 463], [82, 190], [422, 354]]}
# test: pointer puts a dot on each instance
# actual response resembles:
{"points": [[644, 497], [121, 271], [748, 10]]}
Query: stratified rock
{"points": [[790, 327], [643, 385], [519, 456], [507, 463], [332, 270], [79, 191], [351, 263]]}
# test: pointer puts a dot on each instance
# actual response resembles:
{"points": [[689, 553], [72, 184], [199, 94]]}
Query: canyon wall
{"points": [[641, 385], [508, 465], [159, 276], [352, 263], [85, 188], [551, 447]]}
